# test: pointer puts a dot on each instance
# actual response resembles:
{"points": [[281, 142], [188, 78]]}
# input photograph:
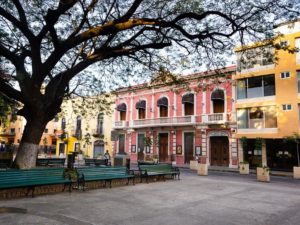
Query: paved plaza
{"points": [[220, 198]]}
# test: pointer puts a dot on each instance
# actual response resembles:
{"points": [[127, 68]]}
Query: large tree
{"points": [[46, 44]]}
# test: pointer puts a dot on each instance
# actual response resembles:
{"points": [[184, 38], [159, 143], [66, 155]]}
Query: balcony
{"points": [[215, 118], [120, 124], [165, 121], [98, 133]]}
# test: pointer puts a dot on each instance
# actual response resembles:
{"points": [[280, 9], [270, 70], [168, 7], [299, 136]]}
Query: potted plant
{"points": [[258, 144], [295, 138], [263, 173], [244, 167]]}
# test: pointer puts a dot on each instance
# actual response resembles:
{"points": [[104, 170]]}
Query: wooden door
{"points": [[188, 109], [218, 106], [142, 113], [163, 147], [141, 146], [123, 115], [163, 111], [219, 151], [121, 143], [188, 147]]}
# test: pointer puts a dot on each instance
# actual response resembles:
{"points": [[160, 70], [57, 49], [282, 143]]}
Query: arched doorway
{"points": [[219, 148], [188, 104], [141, 107], [122, 108], [217, 98], [163, 103]]}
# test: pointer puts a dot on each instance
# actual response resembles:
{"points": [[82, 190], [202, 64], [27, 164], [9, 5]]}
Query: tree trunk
{"points": [[29, 146]]}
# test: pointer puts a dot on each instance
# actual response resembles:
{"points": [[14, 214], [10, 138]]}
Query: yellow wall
{"points": [[286, 93], [88, 125]]}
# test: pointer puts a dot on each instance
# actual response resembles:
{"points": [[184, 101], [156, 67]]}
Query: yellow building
{"points": [[268, 99], [85, 126], [12, 133]]}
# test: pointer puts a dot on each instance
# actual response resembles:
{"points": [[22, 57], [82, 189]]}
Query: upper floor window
{"points": [[141, 107], [254, 87], [298, 80], [257, 117], [284, 75], [163, 104], [286, 107], [188, 102], [217, 98], [100, 123], [260, 56], [63, 123], [78, 128], [122, 108], [78, 123]]}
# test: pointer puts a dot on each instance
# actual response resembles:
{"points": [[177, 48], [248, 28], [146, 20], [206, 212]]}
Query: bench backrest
{"points": [[51, 161], [96, 162], [5, 163], [15, 177], [157, 168], [102, 171]]}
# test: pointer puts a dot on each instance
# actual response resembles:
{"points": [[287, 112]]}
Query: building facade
{"points": [[85, 131], [12, 132], [268, 100], [179, 122]]}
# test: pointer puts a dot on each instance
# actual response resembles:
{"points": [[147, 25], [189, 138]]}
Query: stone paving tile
{"points": [[218, 199]]}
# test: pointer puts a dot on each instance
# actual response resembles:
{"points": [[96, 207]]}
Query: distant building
{"points": [[88, 133], [179, 122], [268, 100]]}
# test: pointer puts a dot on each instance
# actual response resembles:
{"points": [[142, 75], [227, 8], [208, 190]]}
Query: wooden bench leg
{"points": [[110, 183], [127, 181], [133, 180]]}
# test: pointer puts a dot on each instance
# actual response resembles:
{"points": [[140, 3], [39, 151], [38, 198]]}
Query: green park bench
{"points": [[106, 174], [160, 170], [95, 162], [31, 178], [51, 162]]}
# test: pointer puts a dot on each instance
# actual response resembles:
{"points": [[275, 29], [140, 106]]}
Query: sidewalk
{"points": [[233, 170]]}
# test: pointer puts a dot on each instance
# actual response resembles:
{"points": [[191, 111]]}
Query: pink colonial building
{"points": [[192, 120]]}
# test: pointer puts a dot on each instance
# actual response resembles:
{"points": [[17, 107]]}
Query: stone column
{"points": [[264, 153], [240, 151]]}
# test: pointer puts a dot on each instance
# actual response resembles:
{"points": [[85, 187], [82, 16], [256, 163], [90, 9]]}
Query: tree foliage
{"points": [[48, 46]]}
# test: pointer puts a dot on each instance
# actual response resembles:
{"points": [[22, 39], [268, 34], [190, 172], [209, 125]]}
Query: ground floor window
{"points": [[252, 155], [281, 155]]}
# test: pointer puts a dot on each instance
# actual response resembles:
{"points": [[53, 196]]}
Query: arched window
{"points": [[78, 128], [217, 98], [188, 102], [63, 123], [141, 107], [163, 103], [100, 123], [122, 109]]}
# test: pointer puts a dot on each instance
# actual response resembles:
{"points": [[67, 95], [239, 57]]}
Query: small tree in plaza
{"points": [[48, 46]]}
